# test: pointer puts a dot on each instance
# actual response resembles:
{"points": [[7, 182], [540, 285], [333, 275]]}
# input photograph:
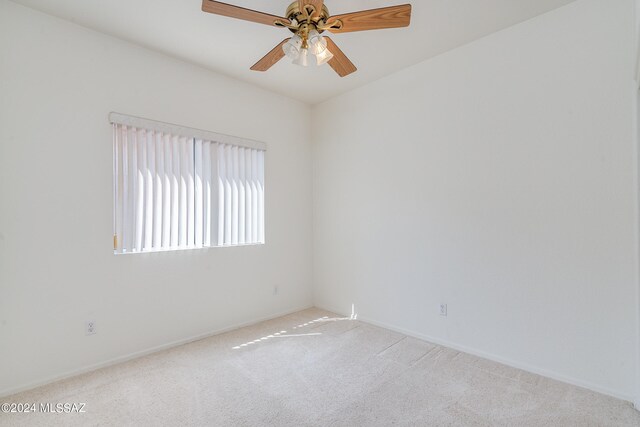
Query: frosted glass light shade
{"points": [[318, 45], [302, 58], [319, 48], [324, 56], [314, 37], [292, 48]]}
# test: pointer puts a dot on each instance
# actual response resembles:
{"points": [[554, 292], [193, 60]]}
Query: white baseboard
{"points": [[445, 343], [135, 355], [514, 364]]}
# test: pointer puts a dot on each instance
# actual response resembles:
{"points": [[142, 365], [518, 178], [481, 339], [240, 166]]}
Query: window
{"points": [[181, 188]]}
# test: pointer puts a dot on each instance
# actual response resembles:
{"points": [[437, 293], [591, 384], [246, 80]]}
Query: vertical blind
{"points": [[174, 191]]}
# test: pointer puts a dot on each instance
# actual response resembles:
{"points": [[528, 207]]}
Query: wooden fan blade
{"points": [[270, 58], [340, 63], [374, 19], [317, 4], [240, 13]]}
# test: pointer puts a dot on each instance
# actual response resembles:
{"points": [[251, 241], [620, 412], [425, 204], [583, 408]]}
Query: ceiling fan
{"points": [[307, 20]]}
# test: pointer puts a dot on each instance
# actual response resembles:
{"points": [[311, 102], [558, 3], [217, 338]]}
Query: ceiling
{"points": [[230, 46]]}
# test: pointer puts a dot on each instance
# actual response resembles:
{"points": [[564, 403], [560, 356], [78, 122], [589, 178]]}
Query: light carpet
{"points": [[314, 368]]}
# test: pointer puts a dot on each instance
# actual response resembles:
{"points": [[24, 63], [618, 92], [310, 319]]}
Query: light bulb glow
{"points": [[324, 56], [318, 46]]}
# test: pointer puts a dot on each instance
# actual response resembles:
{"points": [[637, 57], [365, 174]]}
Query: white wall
{"points": [[498, 178], [58, 82]]}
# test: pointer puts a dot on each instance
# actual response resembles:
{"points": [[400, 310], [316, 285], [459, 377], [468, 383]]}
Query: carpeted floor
{"points": [[314, 368]]}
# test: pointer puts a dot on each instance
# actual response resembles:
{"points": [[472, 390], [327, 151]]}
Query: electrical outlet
{"points": [[90, 327], [275, 290], [443, 309]]}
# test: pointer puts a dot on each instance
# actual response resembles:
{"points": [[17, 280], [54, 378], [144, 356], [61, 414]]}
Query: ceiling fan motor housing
{"points": [[303, 17]]}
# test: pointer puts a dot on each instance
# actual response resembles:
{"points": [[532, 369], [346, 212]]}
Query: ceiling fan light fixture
{"points": [[292, 47], [318, 45], [324, 56], [302, 58], [314, 37]]}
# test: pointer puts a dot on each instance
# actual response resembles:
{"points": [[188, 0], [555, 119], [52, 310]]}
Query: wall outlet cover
{"points": [[443, 309], [90, 327]]}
